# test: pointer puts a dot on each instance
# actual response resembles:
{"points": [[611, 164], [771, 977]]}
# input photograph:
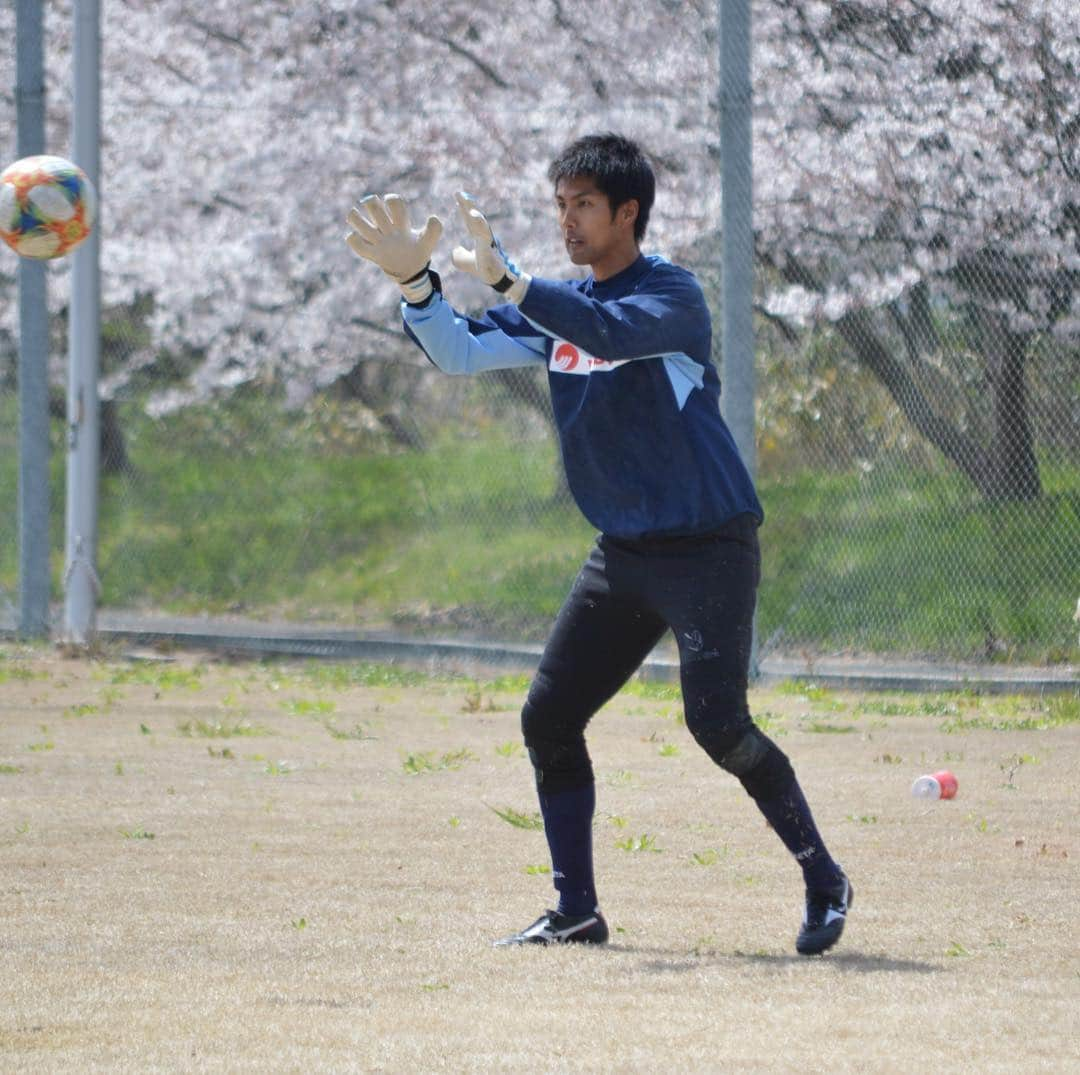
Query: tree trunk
{"points": [[401, 430], [114, 456], [963, 451], [1015, 470], [1006, 468]]}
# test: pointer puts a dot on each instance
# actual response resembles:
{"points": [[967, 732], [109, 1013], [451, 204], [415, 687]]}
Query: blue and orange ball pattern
{"points": [[47, 206]]}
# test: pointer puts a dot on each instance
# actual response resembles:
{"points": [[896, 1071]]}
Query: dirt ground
{"points": [[300, 868]]}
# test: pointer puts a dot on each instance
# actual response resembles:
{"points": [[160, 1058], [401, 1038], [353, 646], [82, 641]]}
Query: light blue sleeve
{"points": [[458, 344]]}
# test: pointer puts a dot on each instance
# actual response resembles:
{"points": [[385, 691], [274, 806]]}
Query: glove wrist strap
{"points": [[513, 287], [417, 289], [517, 287]]}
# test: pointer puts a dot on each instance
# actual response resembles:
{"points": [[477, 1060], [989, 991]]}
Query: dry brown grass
{"points": [[307, 904]]}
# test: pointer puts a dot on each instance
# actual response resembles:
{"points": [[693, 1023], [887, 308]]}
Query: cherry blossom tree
{"points": [[928, 163], [916, 163], [237, 136]]}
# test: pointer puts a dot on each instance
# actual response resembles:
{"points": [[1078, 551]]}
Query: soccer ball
{"points": [[47, 206]]}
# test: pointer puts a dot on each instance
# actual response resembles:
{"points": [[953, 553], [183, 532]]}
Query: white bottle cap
{"points": [[926, 787]]}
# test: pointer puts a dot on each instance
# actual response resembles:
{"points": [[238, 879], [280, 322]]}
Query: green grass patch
{"points": [[1007, 713], [709, 857], [17, 673], [644, 842], [823, 727], [822, 697], [220, 729], [330, 676], [357, 732], [284, 523], [907, 561], [517, 818], [654, 691], [509, 684], [426, 762], [159, 675], [82, 709], [309, 707], [769, 722], [1062, 708], [307, 516]]}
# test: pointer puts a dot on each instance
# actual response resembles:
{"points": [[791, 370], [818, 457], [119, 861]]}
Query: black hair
{"points": [[618, 166]]}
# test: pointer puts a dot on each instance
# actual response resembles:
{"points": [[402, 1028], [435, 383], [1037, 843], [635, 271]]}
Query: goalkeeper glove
{"points": [[380, 232], [488, 262]]}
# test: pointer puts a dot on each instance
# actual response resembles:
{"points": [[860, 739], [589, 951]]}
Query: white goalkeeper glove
{"points": [[488, 262], [380, 232]]}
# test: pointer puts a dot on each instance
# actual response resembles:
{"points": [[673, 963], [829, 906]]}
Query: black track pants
{"points": [[626, 596]]}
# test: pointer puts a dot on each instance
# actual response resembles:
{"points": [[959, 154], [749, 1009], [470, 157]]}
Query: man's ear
{"points": [[628, 211]]}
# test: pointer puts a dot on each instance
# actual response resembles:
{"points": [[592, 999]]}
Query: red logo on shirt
{"points": [[568, 358], [565, 358]]}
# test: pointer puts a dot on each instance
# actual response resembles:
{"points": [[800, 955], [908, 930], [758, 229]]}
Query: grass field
{"points": [[299, 868]]}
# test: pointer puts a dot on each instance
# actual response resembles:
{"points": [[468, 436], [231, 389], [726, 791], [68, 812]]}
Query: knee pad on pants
{"points": [[747, 753], [557, 751]]}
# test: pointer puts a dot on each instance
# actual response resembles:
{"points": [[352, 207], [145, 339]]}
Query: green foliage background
{"points": [[246, 509]]}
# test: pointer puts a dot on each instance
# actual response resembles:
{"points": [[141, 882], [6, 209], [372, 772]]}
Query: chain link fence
{"points": [[273, 450]]}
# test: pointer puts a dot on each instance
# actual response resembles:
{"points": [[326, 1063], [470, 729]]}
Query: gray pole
{"points": [[84, 346], [737, 236], [33, 346], [737, 240]]}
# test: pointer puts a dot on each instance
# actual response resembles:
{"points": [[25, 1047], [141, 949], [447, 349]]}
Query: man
{"points": [[652, 465]]}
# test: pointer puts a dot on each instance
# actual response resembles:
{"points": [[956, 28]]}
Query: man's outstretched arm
{"points": [[458, 344], [669, 316], [380, 233]]}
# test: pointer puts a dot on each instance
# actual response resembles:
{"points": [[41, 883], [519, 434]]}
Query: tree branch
{"points": [[857, 331], [460, 50], [220, 35]]}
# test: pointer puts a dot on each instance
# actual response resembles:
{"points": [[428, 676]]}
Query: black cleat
{"points": [[824, 919], [554, 928]]}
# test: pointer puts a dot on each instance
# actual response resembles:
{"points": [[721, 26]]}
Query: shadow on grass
{"points": [[849, 962]]}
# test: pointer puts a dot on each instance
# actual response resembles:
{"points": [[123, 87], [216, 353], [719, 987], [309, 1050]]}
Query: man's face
{"points": [[585, 220]]}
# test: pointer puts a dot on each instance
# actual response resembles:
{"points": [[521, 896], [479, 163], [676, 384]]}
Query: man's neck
{"points": [[615, 263]]}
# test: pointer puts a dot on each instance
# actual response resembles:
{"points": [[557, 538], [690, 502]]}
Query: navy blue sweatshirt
{"points": [[634, 392]]}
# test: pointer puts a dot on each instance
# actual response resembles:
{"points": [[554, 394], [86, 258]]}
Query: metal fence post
{"points": [[84, 347], [33, 347], [737, 238]]}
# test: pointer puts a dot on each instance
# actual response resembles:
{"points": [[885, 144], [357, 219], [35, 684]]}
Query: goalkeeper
{"points": [[654, 468]]}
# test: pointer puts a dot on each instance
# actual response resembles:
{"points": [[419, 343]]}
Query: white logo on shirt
{"points": [[568, 358]]}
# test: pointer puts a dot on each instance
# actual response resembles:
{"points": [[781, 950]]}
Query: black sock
{"points": [[568, 817], [790, 816]]}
